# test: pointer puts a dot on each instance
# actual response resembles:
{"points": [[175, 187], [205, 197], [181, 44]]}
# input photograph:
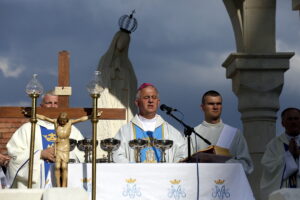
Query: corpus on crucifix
{"points": [[63, 127]]}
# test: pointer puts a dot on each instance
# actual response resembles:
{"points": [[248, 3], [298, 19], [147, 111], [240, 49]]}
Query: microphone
{"points": [[164, 107]]}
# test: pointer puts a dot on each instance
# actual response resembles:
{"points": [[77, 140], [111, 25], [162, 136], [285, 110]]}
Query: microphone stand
{"points": [[187, 132]]}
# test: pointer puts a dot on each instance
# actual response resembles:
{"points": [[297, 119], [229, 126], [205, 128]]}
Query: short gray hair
{"points": [[138, 94], [48, 93]]}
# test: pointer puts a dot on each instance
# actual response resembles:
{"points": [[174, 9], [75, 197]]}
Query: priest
{"points": [[19, 146], [280, 161]]}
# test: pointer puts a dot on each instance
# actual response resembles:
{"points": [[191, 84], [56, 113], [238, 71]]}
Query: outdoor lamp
{"points": [[94, 88], [34, 89]]}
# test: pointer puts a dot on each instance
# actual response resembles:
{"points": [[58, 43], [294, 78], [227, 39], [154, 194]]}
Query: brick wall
{"points": [[7, 127]]}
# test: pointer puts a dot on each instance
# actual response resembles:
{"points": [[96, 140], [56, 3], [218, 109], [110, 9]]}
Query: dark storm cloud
{"points": [[179, 46]]}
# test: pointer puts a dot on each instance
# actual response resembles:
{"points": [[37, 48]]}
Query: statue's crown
{"points": [[128, 23], [219, 181]]}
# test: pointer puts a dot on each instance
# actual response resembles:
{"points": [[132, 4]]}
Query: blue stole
{"points": [[149, 135], [48, 140]]}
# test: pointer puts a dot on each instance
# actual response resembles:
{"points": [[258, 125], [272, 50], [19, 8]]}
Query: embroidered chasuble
{"points": [[48, 140], [150, 154]]}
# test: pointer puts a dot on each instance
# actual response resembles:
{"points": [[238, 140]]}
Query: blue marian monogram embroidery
{"points": [[176, 191], [220, 192], [131, 190]]}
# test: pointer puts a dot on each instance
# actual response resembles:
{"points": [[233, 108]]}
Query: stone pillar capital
{"points": [[257, 80], [237, 62]]}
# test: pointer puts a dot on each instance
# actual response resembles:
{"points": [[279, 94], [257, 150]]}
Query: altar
{"points": [[177, 181]]}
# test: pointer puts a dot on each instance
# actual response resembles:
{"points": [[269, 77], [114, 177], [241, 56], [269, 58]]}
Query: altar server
{"points": [[219, 133]]}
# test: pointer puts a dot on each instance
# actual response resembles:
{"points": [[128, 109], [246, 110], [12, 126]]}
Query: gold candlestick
{"points": [[33, 89], [94, 120], [33, 121], [95, 88]]}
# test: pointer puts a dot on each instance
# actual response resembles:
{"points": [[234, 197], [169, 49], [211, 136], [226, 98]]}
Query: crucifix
{"points": [[11, 118]]}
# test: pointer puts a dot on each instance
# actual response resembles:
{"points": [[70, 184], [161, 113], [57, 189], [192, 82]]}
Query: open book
{"points": [[212, 154]]}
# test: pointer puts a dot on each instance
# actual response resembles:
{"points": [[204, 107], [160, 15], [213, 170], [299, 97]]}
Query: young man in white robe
{"points": [[148, 125], [220, 134], [19, 147], [281, 168]]}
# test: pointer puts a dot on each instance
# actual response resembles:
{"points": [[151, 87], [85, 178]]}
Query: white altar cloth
{"points": [[174, 181]]}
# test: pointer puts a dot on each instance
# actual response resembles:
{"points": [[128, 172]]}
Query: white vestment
{"points": [[19, 148], [119, 83], [3, 179], [275, 165], [212, 132], [125, 153]]}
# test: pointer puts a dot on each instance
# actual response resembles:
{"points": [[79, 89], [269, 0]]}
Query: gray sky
{"points": [[179, 46]]}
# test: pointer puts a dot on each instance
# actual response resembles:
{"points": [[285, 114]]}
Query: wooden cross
{"points": [[63, 76], [12, 118]]}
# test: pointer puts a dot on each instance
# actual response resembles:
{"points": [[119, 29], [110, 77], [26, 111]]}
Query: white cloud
{"points": [[8, 70], [292, 75], [19, 104], [284, 46]]}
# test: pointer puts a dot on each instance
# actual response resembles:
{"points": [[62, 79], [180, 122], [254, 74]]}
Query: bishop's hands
{"points": [[48, 154], [293, 148]]}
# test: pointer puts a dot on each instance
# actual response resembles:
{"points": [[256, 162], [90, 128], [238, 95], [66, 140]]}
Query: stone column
{"points": [[257, 73], [257, 80]]}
